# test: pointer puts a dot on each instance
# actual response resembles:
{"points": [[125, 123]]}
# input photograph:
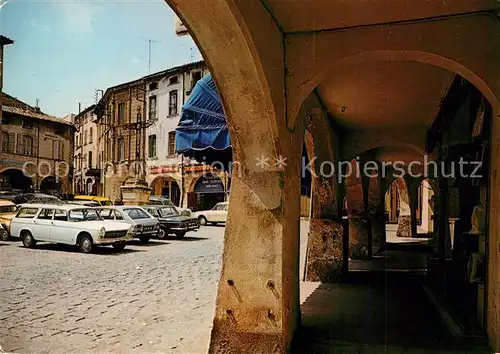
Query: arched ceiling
{"points": [[385, 95], [331, 14]]}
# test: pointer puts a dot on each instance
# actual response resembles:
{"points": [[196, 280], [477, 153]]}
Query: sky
{"points": [[64, 50]]}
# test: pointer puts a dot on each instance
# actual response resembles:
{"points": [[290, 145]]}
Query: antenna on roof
{"points": [[37, 101], [149, 55]]}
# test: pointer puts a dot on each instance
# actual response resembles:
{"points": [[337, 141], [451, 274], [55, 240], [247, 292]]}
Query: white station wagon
{"points": [[68, 224]]}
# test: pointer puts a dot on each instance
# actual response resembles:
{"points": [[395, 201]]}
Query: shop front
{"points": [[207, 191]]}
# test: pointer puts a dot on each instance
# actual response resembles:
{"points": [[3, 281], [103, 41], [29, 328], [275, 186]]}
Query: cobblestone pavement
{"points": [[156, 298]]}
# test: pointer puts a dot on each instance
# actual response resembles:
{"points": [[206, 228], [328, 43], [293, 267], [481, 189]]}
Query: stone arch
{"points": [[477, 64], [15, 178], [163, 181], [50, 183], [219, 29]]}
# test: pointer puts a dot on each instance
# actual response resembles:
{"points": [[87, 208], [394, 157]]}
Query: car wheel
{"points": [[119, 246], [28, 240], [144, 239], [4, 235], [181, 234], [162, 233], [203, 220], [86, 244]]}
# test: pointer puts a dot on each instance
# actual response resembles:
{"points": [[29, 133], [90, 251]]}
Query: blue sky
{"points": [[65, 50]]}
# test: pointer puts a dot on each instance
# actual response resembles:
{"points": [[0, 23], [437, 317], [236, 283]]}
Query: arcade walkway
{"points": [[375, 312]]}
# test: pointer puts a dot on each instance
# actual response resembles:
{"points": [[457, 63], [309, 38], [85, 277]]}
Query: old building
{"points": [[168, 173], [382, 81], [86, 175], [121, 130], [36, 149], [135, 124]]}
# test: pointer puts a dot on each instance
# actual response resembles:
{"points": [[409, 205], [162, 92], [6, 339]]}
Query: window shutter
{"points": [[12, 142], [20, 145]]}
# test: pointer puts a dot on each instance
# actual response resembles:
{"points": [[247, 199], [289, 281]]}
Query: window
{"points": [[91, 134], [152, 146], [106, 214], [27, 213], [135, 214], [25, 145], [57, 150], [171, 143], [173, 80], [152, 107], [153, 86], [196, 76], [27, 124], [8, 140], [121, 149], [83, 215], [121, 113], [46, 214], [90, 159], [85, 137], [60, 215], [118, 215], [76, 140], [172, 103]]}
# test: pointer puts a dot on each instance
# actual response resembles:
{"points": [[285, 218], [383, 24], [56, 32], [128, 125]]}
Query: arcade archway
{"points": [[206, 191], [14, 179], [50, 185], [167, 187]]}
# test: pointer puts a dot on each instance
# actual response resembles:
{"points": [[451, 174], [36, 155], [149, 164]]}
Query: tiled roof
{"points": [[13, 105]]}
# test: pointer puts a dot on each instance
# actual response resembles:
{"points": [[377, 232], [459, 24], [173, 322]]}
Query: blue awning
{"points": [[202, 130]]}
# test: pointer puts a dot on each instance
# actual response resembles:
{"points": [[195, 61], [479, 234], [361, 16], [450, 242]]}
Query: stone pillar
{"points": [[257, 309], [324, 244], [413, 193], [404, 219], [376, 209], [135, 192], [359, 232]]}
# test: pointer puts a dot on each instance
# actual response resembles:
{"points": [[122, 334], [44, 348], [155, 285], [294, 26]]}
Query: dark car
{"points": [[171, 221]]}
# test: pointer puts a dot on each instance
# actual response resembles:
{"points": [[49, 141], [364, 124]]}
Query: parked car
{"points": [[160, 200], [103, 201], [218, 214], [85, 203], [171, 222], [144, 224], [36, 198], [67, 224], [7, 212]]}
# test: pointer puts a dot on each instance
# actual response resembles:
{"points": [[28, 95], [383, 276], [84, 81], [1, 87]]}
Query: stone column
{"points": [[376, 208], [359, 233], [324, 247], [404, 219], [257, 308], [413, 193]]}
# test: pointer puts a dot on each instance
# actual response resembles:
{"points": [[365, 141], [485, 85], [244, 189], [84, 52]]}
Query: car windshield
{"points": [[168, 211], [8, 209], [84, 214], [136, 213]]}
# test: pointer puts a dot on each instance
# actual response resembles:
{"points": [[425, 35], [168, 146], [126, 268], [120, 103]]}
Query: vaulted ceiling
{"points": [[330, 14]]}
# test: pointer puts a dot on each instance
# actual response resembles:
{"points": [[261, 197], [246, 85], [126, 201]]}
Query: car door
{"points": [[61, 231], [216, 213], [42, 225]]}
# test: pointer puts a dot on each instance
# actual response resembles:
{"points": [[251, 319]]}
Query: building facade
{"points": [[87, 175], [135, 124], [36, 149], [167, 173]]}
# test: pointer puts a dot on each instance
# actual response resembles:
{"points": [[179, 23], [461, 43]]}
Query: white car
{"points": [[68, 224], [218, 214]]}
